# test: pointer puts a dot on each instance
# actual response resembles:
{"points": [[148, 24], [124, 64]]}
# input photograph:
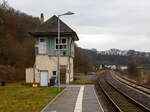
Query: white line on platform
{"points": [[78, 106]]}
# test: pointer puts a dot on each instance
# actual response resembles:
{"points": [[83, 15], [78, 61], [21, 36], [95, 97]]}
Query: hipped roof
{"points": [[50, 28]]}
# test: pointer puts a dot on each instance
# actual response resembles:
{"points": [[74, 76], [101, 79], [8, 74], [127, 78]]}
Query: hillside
{"points": [[8, 73], [125, 53], [116, 56], [16, 45]]}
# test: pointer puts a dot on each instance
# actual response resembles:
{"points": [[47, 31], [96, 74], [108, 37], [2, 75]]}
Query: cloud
{"points": [[109, 22], [105, 42]]}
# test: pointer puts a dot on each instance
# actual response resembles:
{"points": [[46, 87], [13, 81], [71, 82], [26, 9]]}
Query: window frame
{"points": [[56, 44], [45, 41]]}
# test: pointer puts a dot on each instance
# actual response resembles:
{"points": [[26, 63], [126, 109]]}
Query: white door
{"points": [[44, 78]]}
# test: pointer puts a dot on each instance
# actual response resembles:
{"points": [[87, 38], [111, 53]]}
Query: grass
{"points": [[19, 98], [82, 81]]}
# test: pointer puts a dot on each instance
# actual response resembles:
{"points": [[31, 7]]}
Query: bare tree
{"points": [[4, 4]]}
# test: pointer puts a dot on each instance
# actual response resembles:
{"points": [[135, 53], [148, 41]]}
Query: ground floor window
{"points": [[54, 72]]}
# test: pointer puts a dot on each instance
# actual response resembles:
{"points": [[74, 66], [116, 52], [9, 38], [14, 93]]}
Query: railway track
{"points": [[120, 101], [106, 104], [130, 83]]}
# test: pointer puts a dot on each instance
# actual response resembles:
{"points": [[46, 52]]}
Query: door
{"points": [[63, 74], [44, 78]]}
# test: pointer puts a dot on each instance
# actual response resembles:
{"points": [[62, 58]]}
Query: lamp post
{"points": [[58, 51]]}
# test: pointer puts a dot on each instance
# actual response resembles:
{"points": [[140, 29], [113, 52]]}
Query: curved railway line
{"points": [[120, 101], [145, 90]]}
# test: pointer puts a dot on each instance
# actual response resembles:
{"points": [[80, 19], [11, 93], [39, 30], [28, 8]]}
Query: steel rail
{"points": [[136, 103], [132, 86], [110, 99], [130, 98], [118, 74]]}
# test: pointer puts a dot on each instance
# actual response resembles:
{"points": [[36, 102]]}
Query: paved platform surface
{"points": [[76, 98]]}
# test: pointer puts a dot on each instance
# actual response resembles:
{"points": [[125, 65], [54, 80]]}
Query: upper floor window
{"points": [[63, 44], [42, 48]]}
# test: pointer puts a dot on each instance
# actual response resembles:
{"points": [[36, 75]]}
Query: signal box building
{"points": [[46, 49]]}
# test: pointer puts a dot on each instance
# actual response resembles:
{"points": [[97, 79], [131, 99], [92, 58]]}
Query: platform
{"points": [[75, 98]]}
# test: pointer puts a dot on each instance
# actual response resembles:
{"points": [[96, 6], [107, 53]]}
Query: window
{"points": [[54, 72], [42, 47], [63, 41], [63, 44]]}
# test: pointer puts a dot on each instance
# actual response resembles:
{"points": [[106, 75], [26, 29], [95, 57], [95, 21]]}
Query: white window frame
{"points": [[61, 43], [45, 45]]}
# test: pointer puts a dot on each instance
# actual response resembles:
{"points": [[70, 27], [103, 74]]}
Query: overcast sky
{"points": [[100, 24]]}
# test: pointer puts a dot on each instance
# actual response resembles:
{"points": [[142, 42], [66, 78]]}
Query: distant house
{"points": [[112, 67], [123, 67], [46, 48]]}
